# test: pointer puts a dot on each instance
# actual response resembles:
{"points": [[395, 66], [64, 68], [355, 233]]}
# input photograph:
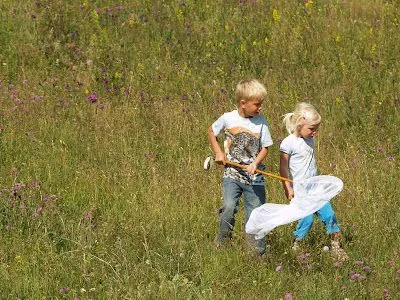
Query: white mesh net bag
{"points": [[310, 195]]}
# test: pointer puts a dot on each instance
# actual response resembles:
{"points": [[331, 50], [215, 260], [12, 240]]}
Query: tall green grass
{"points": [[104, 111]]}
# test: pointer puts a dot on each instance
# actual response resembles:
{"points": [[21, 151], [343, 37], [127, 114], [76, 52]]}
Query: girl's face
{"points": [[308, 131]]}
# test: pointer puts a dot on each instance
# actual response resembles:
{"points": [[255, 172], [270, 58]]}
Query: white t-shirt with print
{"points": [[244, 138], [302, 163]]}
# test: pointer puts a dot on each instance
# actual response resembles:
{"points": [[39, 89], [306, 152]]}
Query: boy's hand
{"points": [[220, 158], [251, 168]]}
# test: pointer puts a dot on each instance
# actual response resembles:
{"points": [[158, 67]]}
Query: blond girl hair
{"points": [[304, 113]]}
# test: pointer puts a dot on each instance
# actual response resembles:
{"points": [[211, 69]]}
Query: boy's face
{"points": [[251, 108]]}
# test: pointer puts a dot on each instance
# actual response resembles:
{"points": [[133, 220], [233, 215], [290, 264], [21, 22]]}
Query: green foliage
{"points": [[104, 111]]}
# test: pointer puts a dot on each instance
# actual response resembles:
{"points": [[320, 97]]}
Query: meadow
{"points": [[104, 112]]}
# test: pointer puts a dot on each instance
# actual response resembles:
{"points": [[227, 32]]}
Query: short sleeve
{"points": [[219, 125], [266, 139], [285, 146]]}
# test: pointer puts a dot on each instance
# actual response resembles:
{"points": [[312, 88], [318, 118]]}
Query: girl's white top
{"points": [[302, 164]]}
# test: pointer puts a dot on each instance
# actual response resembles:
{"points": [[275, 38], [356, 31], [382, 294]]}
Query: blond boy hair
{"points": [[250, 89]]}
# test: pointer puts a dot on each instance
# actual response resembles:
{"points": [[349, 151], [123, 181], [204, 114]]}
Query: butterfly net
{"points": [[310, 195]]}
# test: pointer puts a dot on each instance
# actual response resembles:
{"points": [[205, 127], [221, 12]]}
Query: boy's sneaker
{"points": [[338, 252], [296, 246]]}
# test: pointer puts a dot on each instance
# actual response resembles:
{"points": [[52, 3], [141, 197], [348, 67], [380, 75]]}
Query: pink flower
{"points": [[288, 296], [92, 98]]}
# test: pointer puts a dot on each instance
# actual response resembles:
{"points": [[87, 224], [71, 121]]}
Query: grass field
{"points": [[104, 113]]}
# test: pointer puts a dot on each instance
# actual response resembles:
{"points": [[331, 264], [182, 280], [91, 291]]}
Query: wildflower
{"points": [[18, 186], [38, 210], [355, 276], [332, 165], [390, 158], [288, 296], [338, 264], [92, 98], [379, 149], [391, 263], [278, 268], [309, 3], [275, 15], [367, 268], [359, 262], [304, 256], [385, 295], [64, 290], [89, 215]]}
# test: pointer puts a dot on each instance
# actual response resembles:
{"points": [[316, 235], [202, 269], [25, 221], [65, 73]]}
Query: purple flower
{"points": [[89, 215], [92, 98], [288, 296], [18, 186], [337, 264], [278, 267], [359, 262], [367, 268], [380, 149], [391, 263], [64, 290], [304, 256], [390, 158], [355, 276]]}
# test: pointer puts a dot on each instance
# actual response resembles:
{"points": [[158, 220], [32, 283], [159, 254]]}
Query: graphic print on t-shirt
{"points": [[242, 146]]}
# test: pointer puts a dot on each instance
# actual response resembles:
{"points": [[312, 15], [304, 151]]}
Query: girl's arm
{"points": [[219, 154], [284, 172]]}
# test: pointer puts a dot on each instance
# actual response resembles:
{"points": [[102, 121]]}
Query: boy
{"points": [[247, 139]]}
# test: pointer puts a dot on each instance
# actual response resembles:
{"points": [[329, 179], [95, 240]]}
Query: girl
{"points": [[297, 161]]}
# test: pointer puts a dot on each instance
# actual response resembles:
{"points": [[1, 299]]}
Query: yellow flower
{"points": [[343, 66], [275, 15], [338, 38], [309, 4], [338, 100], [266, 40], [373, 48], [243, 47]]}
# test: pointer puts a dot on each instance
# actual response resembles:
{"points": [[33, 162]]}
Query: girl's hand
{"points": [[289, 193]]}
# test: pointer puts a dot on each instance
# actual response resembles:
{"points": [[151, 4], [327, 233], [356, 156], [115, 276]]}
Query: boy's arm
{"points": [[284, 172], [259, 159], [219, 154]]}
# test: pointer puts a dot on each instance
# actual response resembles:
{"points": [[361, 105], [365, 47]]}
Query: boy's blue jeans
{"points": [[325, 214], [253, 195]]}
